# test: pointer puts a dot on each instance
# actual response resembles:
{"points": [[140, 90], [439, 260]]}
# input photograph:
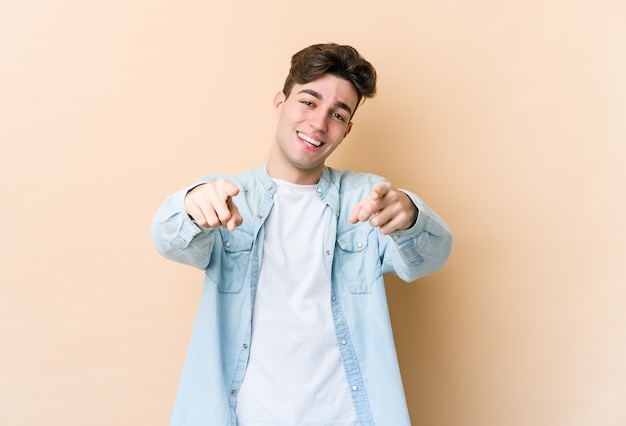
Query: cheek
{"points": [[340, 132], [286, 118], [296, 115]]}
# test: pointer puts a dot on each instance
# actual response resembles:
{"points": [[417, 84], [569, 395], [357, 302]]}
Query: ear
{"points": [[279, 99], [348, 129]]}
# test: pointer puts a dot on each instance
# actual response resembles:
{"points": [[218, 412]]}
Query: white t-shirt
{"points": [[294, 375]]}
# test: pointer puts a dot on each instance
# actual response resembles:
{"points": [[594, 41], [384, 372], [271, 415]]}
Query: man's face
{"points": [[312, 122]]}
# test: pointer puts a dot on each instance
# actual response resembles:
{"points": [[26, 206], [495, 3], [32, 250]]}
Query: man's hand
{"points": [[211, 205], [387, 208]]}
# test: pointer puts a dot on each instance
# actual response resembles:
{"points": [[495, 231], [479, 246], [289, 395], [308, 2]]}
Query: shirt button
{"points": [[232, 392], [359, 245], [245, 346], [333, 298], [354, 388], [227, 244], [343, 342], [260, 216], [319, 190], [327, 252]]}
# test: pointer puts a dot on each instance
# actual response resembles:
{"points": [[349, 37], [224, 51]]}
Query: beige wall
{"points": [[507, 117]]}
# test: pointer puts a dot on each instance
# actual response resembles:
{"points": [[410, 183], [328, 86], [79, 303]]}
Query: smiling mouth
{"points": [[309, 140]]}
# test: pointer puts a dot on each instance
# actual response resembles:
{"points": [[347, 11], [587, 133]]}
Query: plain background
{"points": [[508, 118]]}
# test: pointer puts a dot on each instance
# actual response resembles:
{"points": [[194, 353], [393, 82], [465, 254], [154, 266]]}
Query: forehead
{"points": [[332, 89]]}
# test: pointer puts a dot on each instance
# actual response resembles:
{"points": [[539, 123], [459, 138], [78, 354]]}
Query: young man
{"points": [[293, 326]]}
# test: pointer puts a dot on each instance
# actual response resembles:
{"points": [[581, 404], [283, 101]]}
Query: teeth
{"points": [[309, 140]]}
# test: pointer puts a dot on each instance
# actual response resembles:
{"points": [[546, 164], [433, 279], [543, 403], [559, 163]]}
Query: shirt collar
{"points": [[327, 189]]}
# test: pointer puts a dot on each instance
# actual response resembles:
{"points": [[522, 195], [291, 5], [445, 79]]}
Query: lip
{"points": [[307, 144]]}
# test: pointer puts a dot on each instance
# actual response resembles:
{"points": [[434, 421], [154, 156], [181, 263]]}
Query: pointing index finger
{"points": [[379, 190]]}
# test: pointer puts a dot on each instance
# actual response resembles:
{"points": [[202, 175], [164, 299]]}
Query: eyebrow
{"points": [[318, 95]]}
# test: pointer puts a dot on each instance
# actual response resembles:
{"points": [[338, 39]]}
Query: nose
{"points": [[318, 120]]}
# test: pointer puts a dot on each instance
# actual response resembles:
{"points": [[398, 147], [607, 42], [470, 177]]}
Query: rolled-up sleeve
{"points": [[177, 237], [422, 248]]}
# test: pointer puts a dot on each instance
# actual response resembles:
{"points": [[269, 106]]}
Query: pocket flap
{"points": [[355, 239], [237, 241]]}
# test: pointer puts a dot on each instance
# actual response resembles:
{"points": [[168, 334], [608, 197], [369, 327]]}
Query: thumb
{"points": [[235, 219]]}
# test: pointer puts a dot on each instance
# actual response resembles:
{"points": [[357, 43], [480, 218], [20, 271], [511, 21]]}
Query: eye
{"points": [[338, 116], [307, 102]]}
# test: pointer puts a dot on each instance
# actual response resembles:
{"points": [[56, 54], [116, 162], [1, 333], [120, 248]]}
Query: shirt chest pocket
{"points": [[357, 262], [230, 260]]}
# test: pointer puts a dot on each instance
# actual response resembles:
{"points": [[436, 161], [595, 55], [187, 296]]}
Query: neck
{"points": [[279, 168]]}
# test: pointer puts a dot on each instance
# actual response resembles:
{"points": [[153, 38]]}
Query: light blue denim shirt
{"points": [[357, 257]]}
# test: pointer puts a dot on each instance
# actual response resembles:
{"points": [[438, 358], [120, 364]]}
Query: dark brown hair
{"points": [[341, 61]]}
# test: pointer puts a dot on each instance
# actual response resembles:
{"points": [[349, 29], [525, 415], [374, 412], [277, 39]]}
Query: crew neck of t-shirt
{"points": [[281, 182]]}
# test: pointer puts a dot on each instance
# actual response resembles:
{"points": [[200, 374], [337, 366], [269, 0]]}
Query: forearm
{"points": [[177, 237]]}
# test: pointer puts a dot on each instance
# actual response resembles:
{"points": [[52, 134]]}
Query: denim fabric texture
{"points": [[357, 258]]}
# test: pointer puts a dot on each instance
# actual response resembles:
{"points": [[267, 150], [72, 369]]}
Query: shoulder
{"points": [[348, 180], [243, 179]]}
